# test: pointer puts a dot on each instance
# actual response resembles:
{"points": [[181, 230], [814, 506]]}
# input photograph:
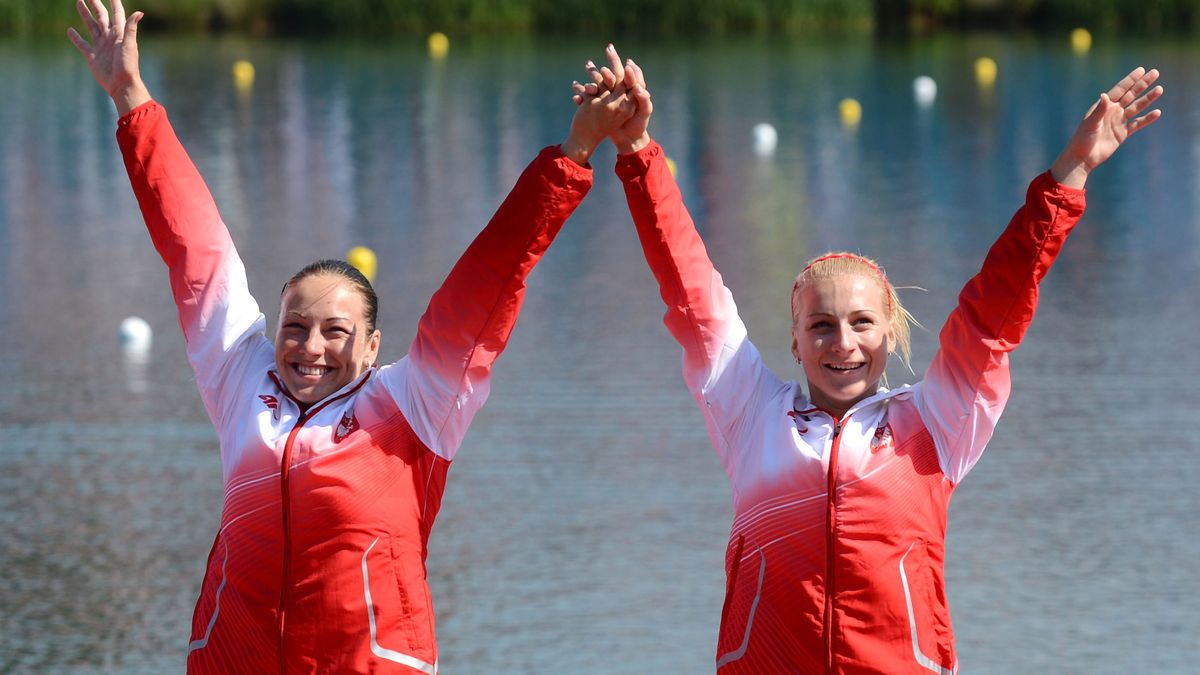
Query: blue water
{"points": [[584, 524]]}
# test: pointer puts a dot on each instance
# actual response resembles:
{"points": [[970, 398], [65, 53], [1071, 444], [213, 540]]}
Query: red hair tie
{"points": [[850, 256]]}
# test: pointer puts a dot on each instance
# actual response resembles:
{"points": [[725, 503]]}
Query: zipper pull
{"points": [[838, 423]]}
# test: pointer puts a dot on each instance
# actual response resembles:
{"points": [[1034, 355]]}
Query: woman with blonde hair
{"points": [[840, 488]]}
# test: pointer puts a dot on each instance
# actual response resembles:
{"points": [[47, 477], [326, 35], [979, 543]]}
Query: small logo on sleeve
{"points": [[272, 404], [797, 417]]}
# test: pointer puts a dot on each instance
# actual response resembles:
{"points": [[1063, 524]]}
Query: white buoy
{"points": [[924, 90], [765, 139], [135, 334]]}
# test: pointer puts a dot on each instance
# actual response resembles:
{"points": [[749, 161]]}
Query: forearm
{"points": [[1002, 297], [469, 318], [967, 384], [207, 278], [176, 204], [701, 314]]}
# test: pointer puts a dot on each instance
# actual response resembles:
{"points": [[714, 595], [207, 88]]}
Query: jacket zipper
{"points": [[830, 517], [284, 471], [285, 495]]}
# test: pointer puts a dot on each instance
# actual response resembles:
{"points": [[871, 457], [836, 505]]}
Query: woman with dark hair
{"points": [[840, 492], [333, 468]]}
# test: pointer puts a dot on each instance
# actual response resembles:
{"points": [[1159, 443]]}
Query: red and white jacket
{"points": [[319, 563], [835, 555]]}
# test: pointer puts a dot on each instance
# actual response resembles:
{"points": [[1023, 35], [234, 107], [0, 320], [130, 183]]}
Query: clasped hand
{"points": [[613, 104]]}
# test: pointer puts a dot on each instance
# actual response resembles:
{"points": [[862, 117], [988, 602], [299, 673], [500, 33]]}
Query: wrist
{"points": [[129, 97], [626, 146], [577, 149], [1070, 171]]}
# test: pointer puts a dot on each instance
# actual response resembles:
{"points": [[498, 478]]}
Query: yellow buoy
{"points": [[364, 260], [671, 166], [1081, 40], [243, 75], [850, 111], [439, 44], [985, 71]]}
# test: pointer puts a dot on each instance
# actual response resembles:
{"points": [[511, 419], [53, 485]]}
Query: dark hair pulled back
{"points": [[348, 273]]}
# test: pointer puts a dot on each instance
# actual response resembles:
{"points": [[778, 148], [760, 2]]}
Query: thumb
{"points": [[644, 105], [1097, 112], [131, 27]]}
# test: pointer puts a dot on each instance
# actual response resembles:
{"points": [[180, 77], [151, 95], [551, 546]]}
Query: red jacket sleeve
{"points": [[208, 280], [968, 383], [721, 366], [444, 379]]}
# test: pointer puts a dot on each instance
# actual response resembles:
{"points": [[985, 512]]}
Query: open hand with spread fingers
{"points": [[1118, 114], [112, 53]]}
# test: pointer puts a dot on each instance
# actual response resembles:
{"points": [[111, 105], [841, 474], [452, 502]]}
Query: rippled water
{"points": [[584, 524]]}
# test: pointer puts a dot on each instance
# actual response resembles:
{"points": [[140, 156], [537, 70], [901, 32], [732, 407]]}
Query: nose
{"points": [[313, 343], [843, 339]]}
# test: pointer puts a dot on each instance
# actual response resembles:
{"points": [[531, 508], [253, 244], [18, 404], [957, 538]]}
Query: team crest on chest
{"points": [[346, 426], [882, 438]]}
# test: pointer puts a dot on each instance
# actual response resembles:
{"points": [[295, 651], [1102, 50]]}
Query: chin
{"points": [[305, 394], [848, 400]]}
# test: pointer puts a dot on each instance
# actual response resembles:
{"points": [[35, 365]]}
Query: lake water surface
{"points": [[584, 524]]}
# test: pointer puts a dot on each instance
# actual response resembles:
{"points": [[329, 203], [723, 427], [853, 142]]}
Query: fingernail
{"points": [[590, 64], [610, 47]]}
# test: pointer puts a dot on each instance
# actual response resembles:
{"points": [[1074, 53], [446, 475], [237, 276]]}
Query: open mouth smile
{"points": [[311, 371]]}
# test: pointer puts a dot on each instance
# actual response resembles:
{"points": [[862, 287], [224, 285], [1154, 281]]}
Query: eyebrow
{"points": [[853, 311], [302, 315]]}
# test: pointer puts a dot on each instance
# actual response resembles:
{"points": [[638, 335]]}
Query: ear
{"points": [[372, 351], [890, 339], [795, 346]]}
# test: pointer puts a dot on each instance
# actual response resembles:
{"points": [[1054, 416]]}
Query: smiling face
{"points": [[323, 341], [841, 334]]}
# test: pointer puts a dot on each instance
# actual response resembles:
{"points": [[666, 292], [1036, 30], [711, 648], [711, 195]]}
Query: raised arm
{"points": [[721, 367], [444, 380], [207, 278], [967, 385]]}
